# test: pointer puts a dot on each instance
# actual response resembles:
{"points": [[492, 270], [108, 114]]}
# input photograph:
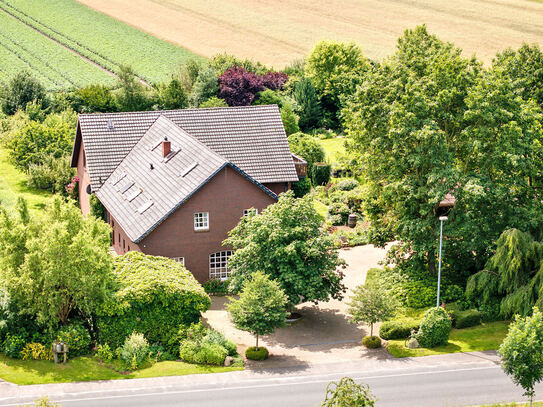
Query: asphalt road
{"points": [[438, 386]]}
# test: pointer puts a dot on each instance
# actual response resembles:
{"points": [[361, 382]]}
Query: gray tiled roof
{"points": [[133, 186], [250, 137]]}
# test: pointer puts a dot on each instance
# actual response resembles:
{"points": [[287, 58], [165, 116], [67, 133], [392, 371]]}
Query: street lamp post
{"points": [[441, 219]]}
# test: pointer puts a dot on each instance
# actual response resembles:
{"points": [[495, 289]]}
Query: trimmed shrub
{"points": [[398, 329], [135, 351], [215, 337], [36, 351], [76, 337], [155, 296], [213, 353], [104, 353], [434, 328], [371, 342], [347, 185], [302, 187], [253, 353], [320, 173], [13, 345], [217, 286], [465, 319]]}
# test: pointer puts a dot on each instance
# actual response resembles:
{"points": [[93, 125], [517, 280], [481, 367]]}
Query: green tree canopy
{"points": [[132, 96], [371, 304], [310, 107], [306, 147], [261, 307], [286, 243], [346, 393], [335, 69], [428, 122], [57, 264], [522, 352], [22, 89]]}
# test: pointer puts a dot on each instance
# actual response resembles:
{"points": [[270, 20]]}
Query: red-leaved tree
{"points": [[238, 87], [274, 80]]}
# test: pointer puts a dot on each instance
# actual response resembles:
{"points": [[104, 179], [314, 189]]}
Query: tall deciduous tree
{"points": [[522, 352], [335, 69], [22, 89], [56, 264], [371, 304], [132, 96], [428, 122], [287, 244], [261, 307]]}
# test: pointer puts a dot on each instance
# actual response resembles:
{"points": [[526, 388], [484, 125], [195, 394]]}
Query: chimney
{"points": [[166, 147]]}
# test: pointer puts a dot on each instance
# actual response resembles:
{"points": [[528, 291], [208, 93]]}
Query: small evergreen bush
{"points": [[135, 351], [301, 187], [398, 329], [213, 353], [465, 319], [371, 342], [434, 328], [320, 173], [254, 353], [76, 337]]}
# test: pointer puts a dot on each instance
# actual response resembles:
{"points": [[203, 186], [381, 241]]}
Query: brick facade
{"points": [[225, 197]]}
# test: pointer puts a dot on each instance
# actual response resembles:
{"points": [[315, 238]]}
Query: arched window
{"points": [[218, 264]]}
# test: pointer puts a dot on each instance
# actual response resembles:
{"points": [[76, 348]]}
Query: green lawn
{"points": [[333, 148], [321, 208], [13, 184], [87, 368], [487, 336]]}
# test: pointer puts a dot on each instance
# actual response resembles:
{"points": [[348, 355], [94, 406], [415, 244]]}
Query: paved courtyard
{"points": [[323, 334]]}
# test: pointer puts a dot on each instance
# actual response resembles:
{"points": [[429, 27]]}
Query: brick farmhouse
{"points": [[174, 183]]}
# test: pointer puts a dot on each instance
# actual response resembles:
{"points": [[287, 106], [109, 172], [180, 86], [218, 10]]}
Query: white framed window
{"points": [[201, 221], [252, 211], [179, 260], [218, 264]]}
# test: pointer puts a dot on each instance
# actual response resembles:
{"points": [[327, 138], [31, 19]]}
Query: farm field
{"points": [[278, 32], [66, 43]]}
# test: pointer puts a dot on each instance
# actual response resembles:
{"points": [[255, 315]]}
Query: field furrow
{"points": [[103, 40], [47, 60]]}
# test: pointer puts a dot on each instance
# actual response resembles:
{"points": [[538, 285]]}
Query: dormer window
{"points": [[249, 212], [201, 221]]}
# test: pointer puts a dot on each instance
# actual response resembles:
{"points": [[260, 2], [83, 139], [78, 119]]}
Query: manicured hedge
{"points": [[155, 297], [465, 319], [253, 353], [320, 173], [371, 342], [434, 328], [398, 329]]}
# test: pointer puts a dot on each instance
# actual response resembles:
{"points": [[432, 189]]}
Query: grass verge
{"points": [[26, 372], [487, 336], [13, 184]]}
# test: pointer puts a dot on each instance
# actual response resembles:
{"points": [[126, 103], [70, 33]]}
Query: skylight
{"points": [[186, 171], [145, 206], [133, 195], [126, 186]]}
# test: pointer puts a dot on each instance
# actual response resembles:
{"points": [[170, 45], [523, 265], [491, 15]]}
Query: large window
{"points": [[201, 221], [180, 260], [218, 264]]}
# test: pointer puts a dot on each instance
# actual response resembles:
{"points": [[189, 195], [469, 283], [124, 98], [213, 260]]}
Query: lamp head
{"points": [[443, 218]]}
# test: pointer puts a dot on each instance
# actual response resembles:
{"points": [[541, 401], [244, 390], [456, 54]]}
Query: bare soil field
{"points": [[278, 31]]}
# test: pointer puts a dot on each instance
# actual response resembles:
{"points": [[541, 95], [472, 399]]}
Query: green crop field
{"points": [[65, 43]]}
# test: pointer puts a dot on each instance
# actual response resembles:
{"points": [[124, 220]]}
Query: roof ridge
{"points": [[187, 134]]}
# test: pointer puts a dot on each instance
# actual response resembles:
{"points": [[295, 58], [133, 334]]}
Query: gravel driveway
{"points": [[322, 335]]}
